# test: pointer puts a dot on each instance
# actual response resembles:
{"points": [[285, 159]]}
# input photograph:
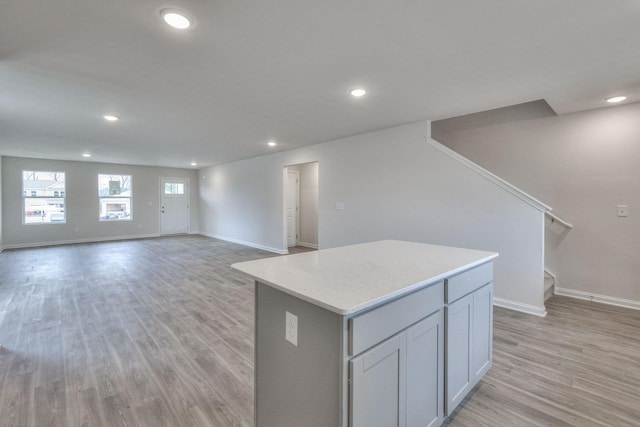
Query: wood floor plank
{"points": [[159, 332]]}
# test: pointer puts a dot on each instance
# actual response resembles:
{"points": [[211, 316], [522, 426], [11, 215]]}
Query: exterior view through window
{"points": [[173, 188], [44, 197], [114, 192]]}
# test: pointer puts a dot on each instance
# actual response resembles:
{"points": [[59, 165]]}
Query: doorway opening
{"points": [[301, 207], [174, 206]]}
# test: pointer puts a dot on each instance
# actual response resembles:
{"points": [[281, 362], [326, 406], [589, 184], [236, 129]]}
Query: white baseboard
{"points": [[76, 241], [604, 299], [539, 311], [242, 242], [308, 245]]}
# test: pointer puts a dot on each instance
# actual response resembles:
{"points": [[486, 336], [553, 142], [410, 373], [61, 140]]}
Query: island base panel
{"points": [[296, 385]]}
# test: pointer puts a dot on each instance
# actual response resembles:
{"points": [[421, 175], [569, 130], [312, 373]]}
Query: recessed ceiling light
{"points": [[86, 155], [358, 92], [176, 19], [615, 99], [194, 164], [271, 143], [110, 118]]}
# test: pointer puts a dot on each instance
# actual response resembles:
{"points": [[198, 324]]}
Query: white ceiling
{"points": [[252, 70]]}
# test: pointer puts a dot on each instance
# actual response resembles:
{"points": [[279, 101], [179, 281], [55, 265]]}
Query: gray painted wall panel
{"points": [[1, 197], [313, 393]]}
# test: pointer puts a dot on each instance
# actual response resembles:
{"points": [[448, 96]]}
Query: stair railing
{"points": [[556, 218]]}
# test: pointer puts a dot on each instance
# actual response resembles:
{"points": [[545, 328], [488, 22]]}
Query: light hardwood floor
{"points": [[159, 332]]}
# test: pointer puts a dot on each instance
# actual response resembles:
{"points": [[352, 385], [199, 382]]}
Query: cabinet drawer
{"points": [[372, 327], [466, 282]]}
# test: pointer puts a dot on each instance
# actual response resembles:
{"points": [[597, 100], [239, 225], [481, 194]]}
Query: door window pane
{"points": [[173, 188]]}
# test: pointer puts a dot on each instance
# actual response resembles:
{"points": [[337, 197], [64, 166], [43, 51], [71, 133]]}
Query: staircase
{"points": [[553, 222], [562, 227], [549, 285]]}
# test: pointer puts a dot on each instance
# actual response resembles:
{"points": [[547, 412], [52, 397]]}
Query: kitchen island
{"points": [[388, 333]]}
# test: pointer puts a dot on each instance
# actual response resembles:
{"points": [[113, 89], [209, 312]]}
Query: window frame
{"points": [[102, 214], [33, 194]]}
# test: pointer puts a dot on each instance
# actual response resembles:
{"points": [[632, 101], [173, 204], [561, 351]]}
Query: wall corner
{"points": [[1, 196]]}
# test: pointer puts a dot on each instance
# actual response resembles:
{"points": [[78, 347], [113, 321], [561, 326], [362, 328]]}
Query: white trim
{"points": [[308, 245], [551, 274], [75, 241], [242, 242], [604, 299], [285, 237], [539, 311], [489, 176], [297, 203], [556, 218]]}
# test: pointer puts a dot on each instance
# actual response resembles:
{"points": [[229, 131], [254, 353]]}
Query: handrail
{"points": [[496, 179], [489, 176], [550, 273], [555, 218]]}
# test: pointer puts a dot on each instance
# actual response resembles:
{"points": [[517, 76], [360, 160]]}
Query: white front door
{"points": [[292, 207], [174, 205]]}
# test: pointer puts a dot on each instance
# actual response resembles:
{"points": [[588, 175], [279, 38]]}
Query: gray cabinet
{"points": [[406, 362], [378, 387], [458, 372], [425, 372], [469, 332], [482, 336], [400, 382]]}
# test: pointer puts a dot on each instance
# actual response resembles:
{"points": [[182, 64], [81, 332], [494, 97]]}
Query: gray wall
{"points": [[82, 202], [309, 204], [582, 165], [1, 227], [307, 377], [393, 185]]}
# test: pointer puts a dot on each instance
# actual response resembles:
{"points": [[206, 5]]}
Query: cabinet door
{"points": [[378, 388], [482, 335], [425, 372], [458, 342]]}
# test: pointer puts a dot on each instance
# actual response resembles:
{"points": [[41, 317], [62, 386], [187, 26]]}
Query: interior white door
{"points": [[292, 207], [174, 206]]}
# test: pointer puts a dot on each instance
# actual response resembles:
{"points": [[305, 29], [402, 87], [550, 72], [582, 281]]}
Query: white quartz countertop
{"points": [[349, 279]]}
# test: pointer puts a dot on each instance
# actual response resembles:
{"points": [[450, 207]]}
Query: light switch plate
{"points": [[623, 210]]}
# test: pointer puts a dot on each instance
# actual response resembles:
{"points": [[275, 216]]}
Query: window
{"points": [[43, 195], [173, 188], [114, 192]]}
